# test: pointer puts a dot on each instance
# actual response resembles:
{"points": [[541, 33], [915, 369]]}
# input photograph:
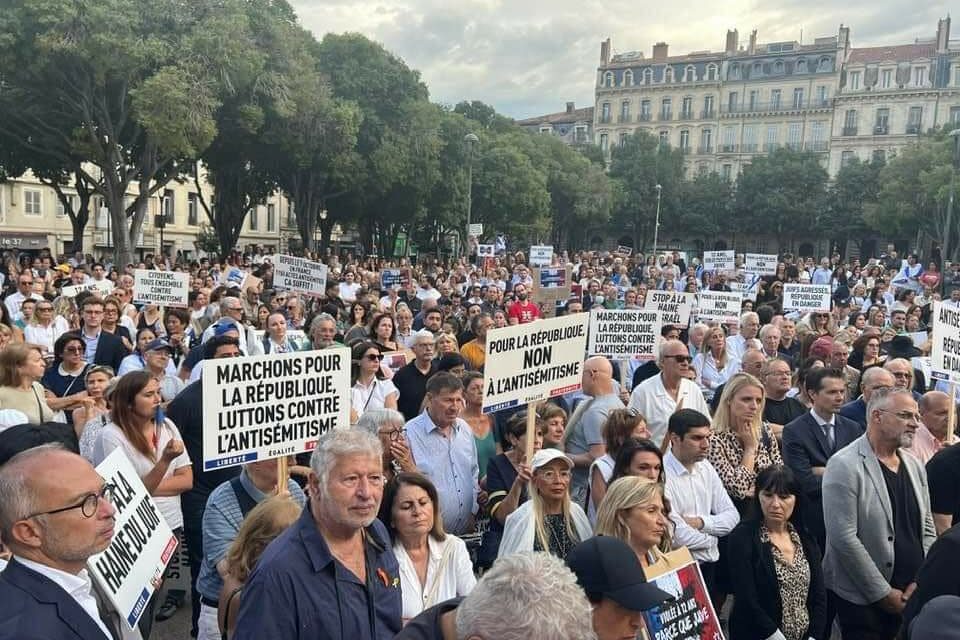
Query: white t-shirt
{"points": [[373, 397], [348, 292], [111, 437]]}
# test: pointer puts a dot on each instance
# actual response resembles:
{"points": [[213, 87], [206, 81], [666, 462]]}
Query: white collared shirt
{"points": [[653, 402], [456, 579], [79, 587]]}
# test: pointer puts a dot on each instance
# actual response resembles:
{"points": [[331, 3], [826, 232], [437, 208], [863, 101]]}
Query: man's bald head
{"points": [[597, 376], [875, 378], [752, 362]]}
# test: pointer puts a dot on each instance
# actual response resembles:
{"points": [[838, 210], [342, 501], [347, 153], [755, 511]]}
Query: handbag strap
{"points": [[435, 587]]}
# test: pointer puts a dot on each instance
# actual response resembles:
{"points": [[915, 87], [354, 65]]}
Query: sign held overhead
{"points": [[299, 274]]}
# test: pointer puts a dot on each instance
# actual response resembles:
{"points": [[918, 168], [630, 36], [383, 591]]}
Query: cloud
{"points": [[530, 58]]}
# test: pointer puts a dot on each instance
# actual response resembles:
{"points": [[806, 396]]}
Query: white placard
{"points": [[164, 288], [102, 288], [806, 298], [475, 229], [541, 255], [723, 306], [945, 351], [718, 261], [624, 250], [486, 250], [747, 290], [674, 306], [534, 361], [760, 264], [262, 407], [299, 274], [142, 544], [624, 333]]}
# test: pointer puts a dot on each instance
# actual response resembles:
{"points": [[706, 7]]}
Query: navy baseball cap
{"points": [[608, 566]]}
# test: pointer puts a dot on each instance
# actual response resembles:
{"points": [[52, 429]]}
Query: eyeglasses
{"points": [[680, 358], [552, 475], [374, 357], [44, 308], [394, 434], [73, 350], [906, 416], [88, 506]]}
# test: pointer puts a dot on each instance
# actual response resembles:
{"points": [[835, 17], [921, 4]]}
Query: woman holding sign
{"points": [[775, 567]]}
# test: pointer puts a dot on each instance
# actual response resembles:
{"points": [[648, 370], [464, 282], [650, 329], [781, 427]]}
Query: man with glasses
{"points": [[100, 347], [659, 397], [231, 310], [411, 379], [53, 523], [24, 292], [876, 506]]}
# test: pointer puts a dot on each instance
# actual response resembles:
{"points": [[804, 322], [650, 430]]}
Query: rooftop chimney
{"points": [[570, 107], [752, 48], [733, 39], [660, 51], [943, 35], [843, 38], [605, 51]]}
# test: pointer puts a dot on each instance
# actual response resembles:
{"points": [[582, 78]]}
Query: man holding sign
{"points": [[53, 523]]}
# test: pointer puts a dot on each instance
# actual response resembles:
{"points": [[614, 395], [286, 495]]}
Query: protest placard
{"points": [[486, 250], [102, 288], [760, 264], [722, 306], [395, 279], [624, 251], [690, 614], [234, 276], [747, 290], [299, 274], [534, 361], [271, 406], [945, 351], [551, 287], [673, 306], [475, 229], [142, 544], [718, 261], [164, 288], [806, 298], [624, 333], [541, 255]]}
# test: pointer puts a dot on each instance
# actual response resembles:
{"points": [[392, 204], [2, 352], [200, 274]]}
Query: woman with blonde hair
{"points": [[44, 327], [713, 365], [262, 525], [446, 343], [634, 510]]}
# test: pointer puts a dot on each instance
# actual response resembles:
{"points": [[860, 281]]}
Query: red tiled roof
{"points": [[585, 114], [899, 53]]}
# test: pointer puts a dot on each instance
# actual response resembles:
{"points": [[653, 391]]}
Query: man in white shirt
{"points": [[53, 523], [700, 507], [749, 326], [657, 398], [23, 292], [349, 287]]}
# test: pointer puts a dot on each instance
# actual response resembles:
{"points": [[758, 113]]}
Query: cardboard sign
{"points": [[475, 229], [142, 543], [624, 333], [760, 264], [102, 288], [395, 279], [945, 351], [263, 407], [806, 298], [722, 306], [673, 306], [486, 251], [624, 251], [718, 261], [551, 283], [690, 614], [541, 255], [533, 361], [299, 274], [164, 288]]}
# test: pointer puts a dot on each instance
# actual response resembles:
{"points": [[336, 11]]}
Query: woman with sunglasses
{"points": [[44, 327], [64, 379], [370, 390]]}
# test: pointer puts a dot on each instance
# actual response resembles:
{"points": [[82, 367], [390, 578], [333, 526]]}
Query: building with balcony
{"points": [[573, 126], [892, 94]]}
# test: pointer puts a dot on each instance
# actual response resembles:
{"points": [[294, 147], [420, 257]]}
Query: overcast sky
{"points": [[529, 57]]}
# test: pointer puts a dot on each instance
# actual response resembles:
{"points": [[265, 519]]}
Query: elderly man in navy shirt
{"points": [[332, 574]]}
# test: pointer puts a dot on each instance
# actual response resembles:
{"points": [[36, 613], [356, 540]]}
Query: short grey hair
{"points": [[338, 443], [19, 497], [766, 329], [527, 596], [422, 336], [373, 420], [880, 398], [663, 347], [321, 317]]}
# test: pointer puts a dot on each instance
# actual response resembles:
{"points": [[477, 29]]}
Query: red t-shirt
{"points": [[524, 312]]}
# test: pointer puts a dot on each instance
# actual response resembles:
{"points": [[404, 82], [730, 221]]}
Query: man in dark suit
{"points": [[810, 440], [872, 379], [53, 522], [101, 347], [939, 575]]}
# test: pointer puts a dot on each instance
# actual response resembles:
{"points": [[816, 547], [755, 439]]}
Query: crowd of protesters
{"points": [[806, 461]]}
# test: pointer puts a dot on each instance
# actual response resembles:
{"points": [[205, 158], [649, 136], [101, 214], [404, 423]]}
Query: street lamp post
{"points": [[471, 140], [955, 138], [656, 226]]}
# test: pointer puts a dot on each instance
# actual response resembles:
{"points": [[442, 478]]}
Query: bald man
{"points": [[931, 435], [584, 441], [54, 522]]}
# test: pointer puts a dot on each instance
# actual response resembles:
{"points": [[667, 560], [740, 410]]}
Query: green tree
{"points": [[784, 193], [855, 184], [509, 193], [485, 116], [705, 205]]}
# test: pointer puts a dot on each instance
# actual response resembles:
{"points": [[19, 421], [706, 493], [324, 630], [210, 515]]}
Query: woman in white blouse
{"points": [[713, 364], [44, 327], [370, 390], [434, 565]]}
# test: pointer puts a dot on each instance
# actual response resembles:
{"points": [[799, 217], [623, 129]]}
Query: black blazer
{"points": [[110, 350], [33, 607], [757, 608], [804, 446], [939, 574]]}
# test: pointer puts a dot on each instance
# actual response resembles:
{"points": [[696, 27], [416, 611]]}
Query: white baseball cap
{"points": [[545, 456]]}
